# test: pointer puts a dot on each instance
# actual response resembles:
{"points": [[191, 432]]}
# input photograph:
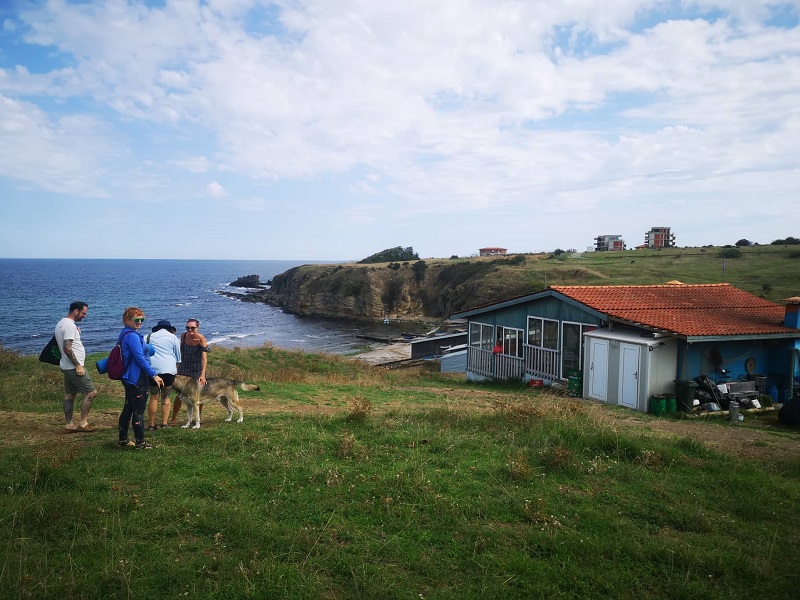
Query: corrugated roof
{"points": [[690, 310]]}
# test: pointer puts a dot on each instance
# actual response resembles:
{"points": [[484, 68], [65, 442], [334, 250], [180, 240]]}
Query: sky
{"points": [[319, 130]]}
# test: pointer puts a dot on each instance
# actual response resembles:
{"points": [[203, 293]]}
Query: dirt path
{"points": [[760, 439], [765, 439]]}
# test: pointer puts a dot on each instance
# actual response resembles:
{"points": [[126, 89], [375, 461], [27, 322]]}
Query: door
{"points": [[629, 375], [598, 369]]}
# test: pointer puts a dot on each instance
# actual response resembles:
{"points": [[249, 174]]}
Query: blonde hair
{"points": [[130, 313]]}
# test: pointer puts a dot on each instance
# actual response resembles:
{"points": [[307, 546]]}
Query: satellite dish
{"points": [[750, 365]]}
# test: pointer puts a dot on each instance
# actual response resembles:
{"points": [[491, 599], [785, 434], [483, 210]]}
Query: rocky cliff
{"points": [[415, 290], [433, 289]]}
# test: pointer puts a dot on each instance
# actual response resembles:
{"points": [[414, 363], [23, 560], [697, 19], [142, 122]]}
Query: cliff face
{"points": [[409, 290], [342, 291]]}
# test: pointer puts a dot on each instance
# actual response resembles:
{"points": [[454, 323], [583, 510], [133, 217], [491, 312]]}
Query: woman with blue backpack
{"points": [[136, 380]]}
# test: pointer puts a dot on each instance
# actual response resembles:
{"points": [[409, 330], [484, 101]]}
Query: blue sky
{"points": [[310, 129]]}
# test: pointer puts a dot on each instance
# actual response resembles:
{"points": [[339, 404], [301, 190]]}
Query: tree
{"points": [[397, 253], [789, 241], [744, 242]]}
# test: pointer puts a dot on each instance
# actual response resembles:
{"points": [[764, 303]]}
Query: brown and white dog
{"points": [[216, 388]]}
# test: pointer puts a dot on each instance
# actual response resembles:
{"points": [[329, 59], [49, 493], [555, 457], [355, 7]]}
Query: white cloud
{"points": [[62, 156], [215, 190], [484, 106]]}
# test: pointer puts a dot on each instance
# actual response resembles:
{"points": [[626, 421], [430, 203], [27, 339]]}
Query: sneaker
{"points": [[125, 443], [144, 446]]}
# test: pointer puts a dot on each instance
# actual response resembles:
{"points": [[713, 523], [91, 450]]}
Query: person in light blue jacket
{"points": [[165, 360], [136, 380]]}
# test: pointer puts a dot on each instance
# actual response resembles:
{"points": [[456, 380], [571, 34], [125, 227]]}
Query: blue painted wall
{"points": [[548, 308], [773, 359]]}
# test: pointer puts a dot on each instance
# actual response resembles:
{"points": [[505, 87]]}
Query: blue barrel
{"points": [[773, 392]]}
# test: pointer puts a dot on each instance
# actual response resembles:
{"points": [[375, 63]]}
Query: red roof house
{"points": [[627, 343]]}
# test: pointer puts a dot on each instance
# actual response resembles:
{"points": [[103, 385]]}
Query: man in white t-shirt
{"points": [[76, 379]]}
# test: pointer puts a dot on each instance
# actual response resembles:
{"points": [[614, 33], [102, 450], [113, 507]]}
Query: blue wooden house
{"points": [[632, 342]]}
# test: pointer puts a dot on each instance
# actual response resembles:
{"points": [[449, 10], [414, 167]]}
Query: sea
{"points": [[36, 293]]}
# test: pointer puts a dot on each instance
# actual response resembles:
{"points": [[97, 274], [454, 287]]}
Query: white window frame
{"points": [[542, 321], [512, 339], [582, 328], [485, 338]]}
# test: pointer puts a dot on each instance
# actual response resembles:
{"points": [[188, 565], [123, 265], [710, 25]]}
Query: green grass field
{"points": [[771, 272], [346, 481]]}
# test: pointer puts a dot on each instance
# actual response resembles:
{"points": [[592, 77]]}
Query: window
{"points": [[543, 333], [511, 339], [481, 335], [572, 346]]}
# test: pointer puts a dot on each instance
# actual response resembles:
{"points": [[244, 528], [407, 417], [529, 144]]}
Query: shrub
{"points": [[730, 253], [419, 271], [518, 467], [346, 445], [360, 408]]}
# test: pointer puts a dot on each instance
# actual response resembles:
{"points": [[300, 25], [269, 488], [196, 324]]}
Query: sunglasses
{"points": [[138, 320], [191, 328]]}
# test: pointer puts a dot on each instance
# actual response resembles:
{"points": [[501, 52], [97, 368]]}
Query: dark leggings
{"points": [[133, 412]]}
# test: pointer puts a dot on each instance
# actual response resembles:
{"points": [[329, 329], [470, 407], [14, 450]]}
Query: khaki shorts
{"points": [[73, 384]]}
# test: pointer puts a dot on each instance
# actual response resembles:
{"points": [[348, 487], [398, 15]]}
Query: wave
{"points": [[221, 339]]}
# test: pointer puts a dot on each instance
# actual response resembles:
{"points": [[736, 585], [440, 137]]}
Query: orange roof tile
{"points": [[690, 310]]}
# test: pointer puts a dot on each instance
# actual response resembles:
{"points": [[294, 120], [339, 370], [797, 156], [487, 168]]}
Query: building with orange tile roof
{"points": [[630, 342]]}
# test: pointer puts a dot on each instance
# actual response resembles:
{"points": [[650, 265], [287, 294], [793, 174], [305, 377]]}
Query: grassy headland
{"points": [[436, 288], [348, 481]]}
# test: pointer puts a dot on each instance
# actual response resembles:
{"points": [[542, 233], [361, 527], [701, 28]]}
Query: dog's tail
{"points": [[248, 387]]}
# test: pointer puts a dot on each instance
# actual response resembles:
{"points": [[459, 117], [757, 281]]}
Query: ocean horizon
{"points": [[37, 292]]}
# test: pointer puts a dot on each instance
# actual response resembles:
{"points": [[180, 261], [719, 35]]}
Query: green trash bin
{"points": [[658, 405], [684, 395], [671, 404], [575, 383]]}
